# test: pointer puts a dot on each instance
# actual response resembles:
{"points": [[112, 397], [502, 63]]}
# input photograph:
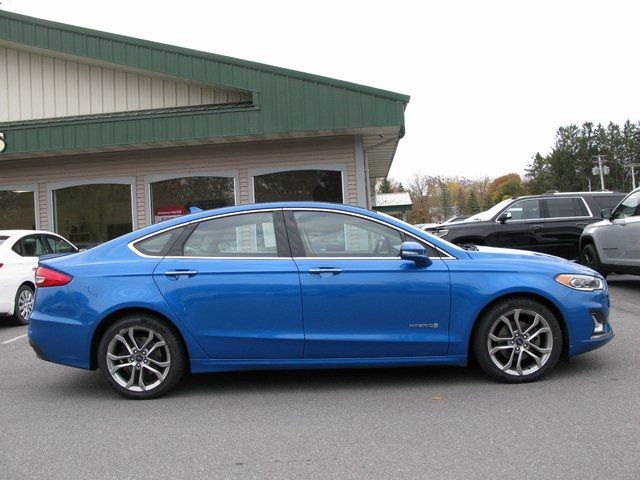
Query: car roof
{"points": [[22, 233]]}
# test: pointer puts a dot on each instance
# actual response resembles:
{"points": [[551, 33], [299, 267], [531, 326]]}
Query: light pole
{"points": [[600, 169]]}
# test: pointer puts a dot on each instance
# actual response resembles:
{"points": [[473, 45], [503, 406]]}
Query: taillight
{"points": [[46, 277]]}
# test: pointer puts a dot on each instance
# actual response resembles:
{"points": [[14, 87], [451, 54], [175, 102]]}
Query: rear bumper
{"points": [[60, 340]]}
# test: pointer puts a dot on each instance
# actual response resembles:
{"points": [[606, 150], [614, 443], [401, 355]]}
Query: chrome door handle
{"points": [[175, 274], [321, 270]]}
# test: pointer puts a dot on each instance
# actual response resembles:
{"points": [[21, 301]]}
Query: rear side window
{"points": [[158, 245], [31, 246], [59, 245], [566, 208], [245, 235], [607, 201]]}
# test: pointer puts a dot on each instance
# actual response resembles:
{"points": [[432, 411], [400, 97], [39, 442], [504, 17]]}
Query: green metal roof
{"points": [[283, 100]]}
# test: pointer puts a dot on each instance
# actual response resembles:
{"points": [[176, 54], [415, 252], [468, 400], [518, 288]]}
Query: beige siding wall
{"points": [[35, 86], [238, 158]]}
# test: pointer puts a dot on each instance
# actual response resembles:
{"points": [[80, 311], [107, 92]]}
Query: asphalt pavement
{"points": [[580, 422]]}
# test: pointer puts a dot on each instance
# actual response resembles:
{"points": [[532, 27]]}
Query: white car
{"points": [[19, 253], [613, 245]]}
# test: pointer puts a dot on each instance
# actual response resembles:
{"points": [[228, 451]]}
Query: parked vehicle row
{"points": [[19, 253], [550, 223], [308, 285]]}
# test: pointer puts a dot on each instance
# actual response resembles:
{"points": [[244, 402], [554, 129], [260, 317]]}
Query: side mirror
{"points": [[415, 252], [504, 217], [606, 213]]}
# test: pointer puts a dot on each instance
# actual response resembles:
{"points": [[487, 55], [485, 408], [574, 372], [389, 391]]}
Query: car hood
{"points": [[533, 259]]}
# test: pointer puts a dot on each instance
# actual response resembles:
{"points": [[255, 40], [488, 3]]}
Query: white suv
{"points": [[19, 253], [613, 245]]}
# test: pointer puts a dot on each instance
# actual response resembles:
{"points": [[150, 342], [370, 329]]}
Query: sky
{"points": [[490, 81]]}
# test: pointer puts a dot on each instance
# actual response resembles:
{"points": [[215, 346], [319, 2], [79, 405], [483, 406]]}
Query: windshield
{"points": [[489, 214]]}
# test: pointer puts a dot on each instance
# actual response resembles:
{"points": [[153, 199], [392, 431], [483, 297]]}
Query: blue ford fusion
{"points": [[308, 285]]}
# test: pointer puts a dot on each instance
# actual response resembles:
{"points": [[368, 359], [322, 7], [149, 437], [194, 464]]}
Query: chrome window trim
{"points": [[130, 245], [539, 219]]}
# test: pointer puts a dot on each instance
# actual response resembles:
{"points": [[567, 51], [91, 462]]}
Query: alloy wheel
{"points": [[138, 358], [520, 342], [25, 303]]}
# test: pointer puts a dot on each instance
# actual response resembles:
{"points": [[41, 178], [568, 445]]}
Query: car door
{"points": [[359, 298], [233, 284], [620, 241], [522, 229], [564, 219]]}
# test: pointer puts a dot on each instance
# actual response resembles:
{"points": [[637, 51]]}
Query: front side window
{"points": [[92, 214], [299, 185], [31, 246], [247, 235], [525, 209], [566, 208], [172, 198], [18, 210], [327, 234], [630, 207]]}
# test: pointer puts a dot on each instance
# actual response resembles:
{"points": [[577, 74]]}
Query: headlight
{"points": [[441, 233], [586, 283]]}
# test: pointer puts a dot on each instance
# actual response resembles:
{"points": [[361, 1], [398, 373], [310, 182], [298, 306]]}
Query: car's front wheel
{"points": [[23, 307], [517, 340], [141, 357]]}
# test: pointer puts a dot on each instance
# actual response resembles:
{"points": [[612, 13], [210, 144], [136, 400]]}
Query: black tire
{"points": [[22, 311], [525, 344], [589, 258], [141, 356]]}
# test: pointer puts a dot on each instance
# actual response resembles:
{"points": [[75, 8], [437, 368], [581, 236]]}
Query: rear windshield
{"points": [[607, 201], [2, 239]]}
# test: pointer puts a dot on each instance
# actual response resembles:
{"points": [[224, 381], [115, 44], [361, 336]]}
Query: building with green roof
{"points": [[101, 133]]}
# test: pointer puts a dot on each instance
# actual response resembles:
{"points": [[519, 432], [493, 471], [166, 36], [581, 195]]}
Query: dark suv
{"points": [[550, 223]]}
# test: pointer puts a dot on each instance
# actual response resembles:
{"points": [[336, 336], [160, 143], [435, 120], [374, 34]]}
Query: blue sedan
{"points": [[308, 285]]}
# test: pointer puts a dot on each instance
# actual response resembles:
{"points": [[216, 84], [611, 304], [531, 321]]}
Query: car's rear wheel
{"points": [[517, 340], [589, 258], [141, 357], [23, 307]]}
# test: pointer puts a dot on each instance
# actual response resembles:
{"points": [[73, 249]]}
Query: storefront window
{"points": [[172, 198], [91, 214], [316, 185], [17, 210]]}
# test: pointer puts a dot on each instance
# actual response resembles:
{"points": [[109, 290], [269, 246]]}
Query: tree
{"points": [[473, 206]]}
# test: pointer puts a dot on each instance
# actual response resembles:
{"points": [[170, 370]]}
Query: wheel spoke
{"points": [[495, 338], [510, 362], [115, 368], [516, 319], [506, 321], [535, 357], [542, 330], [122, 340], [160, 364], [519, 363], [133, 338], [497, 349], [146, 342], [544, 351], [111, 356], [132, 378], [153, 370], [141, 380], [161, 343], [536, 321]]}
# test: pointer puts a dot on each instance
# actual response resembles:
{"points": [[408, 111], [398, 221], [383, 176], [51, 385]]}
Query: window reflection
{"points": [[299, 185], [172, 198], [17, 210], [92, 214]]}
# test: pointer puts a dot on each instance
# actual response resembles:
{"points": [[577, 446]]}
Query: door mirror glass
{"points": [[415, 252], [504, 217], [605, 213]]}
